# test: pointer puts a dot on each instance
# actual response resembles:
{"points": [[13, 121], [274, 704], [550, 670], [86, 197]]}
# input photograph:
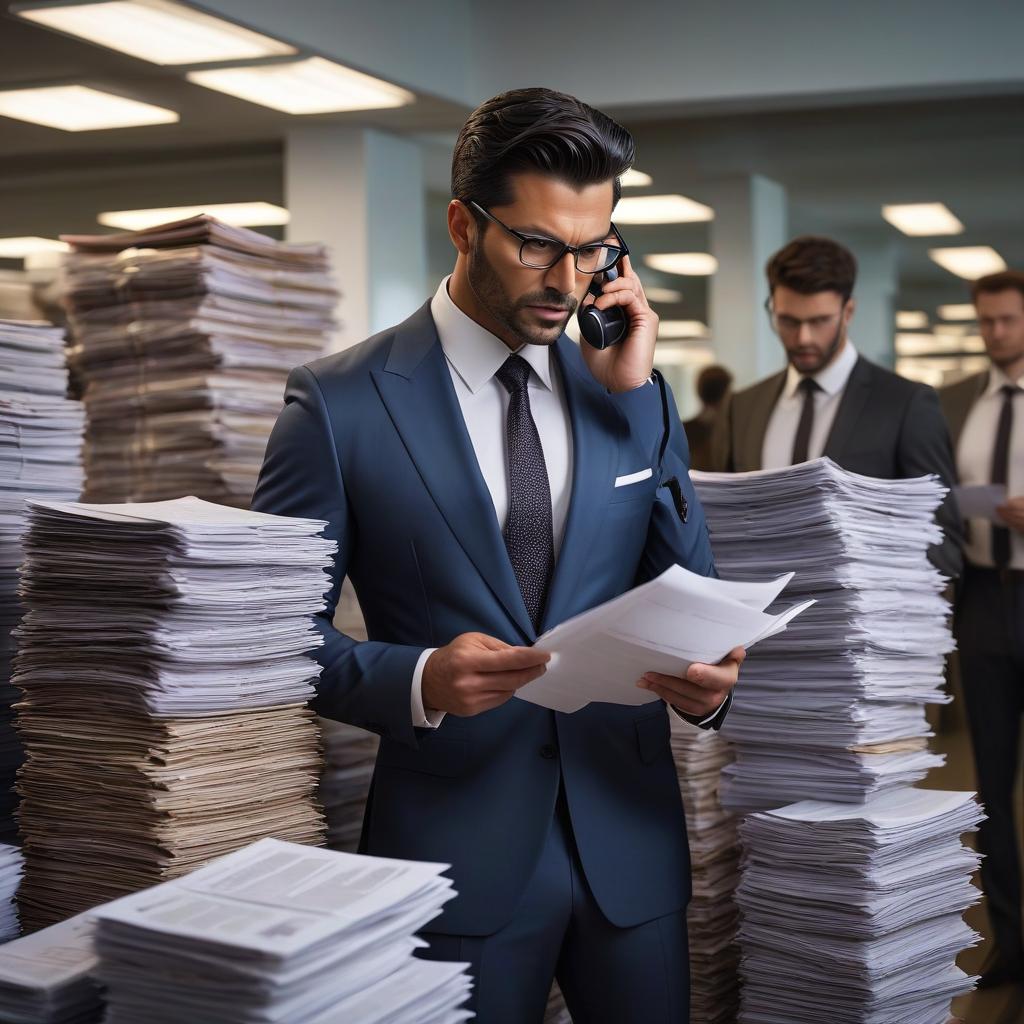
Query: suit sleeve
{"points": [[925, 447], [670, 540], [367, 684]]}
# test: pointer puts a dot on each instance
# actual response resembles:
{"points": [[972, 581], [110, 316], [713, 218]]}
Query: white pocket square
{"points": [[633, 478]]}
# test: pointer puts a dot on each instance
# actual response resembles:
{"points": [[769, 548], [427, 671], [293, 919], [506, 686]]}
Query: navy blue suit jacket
{"points": [[373, 441]]}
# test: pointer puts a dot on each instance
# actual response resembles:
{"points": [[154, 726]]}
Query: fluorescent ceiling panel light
{"points": [[240, 215], [969, 261], [690, 264], [922, 219], [19, 248], [77, 108], [158, 31], [682, 329], [911, 319], [673, 353], [312, 86], [635, 179], [952, 330], [661, 210], [958, 311], [656, 294]]}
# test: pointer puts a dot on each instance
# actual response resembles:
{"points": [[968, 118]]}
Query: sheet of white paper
{"points": [[980, 500]]}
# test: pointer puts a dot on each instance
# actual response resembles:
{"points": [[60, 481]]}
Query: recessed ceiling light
{"points": [[969, 261], [958, 311], [311, 86], [241, 215], [656, 294], [922, 219], [635, 179], [952, 330], [690, 264], [682, 329], [157, 30], [77, 108], [911, 319], [19, 248], [674, 209]]}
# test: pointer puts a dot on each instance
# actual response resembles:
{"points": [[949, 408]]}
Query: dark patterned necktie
{"points": [[528, 531], [802, 442], [1001, 473]]}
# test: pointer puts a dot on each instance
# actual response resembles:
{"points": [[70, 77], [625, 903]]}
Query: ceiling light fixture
{"points": [[683, 329], [969, 261], [673, 209], [958, 311], [240, 215], [921, 219], [19, 248], [656, 294], [689, 264], [911, 319], [311, 86], [635, 179], [77, 108]]}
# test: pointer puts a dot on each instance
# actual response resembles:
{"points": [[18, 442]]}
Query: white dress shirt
{"points": [[777, 452], [974, 464], [474, 357]]}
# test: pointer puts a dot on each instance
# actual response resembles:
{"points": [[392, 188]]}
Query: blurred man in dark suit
{"points": [[713, 384], [830, 400], [986, 419]]}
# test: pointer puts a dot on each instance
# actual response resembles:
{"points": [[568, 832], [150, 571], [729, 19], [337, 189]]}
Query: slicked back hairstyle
{"points": [[536, 130], [811, 264], [1004, 281]]}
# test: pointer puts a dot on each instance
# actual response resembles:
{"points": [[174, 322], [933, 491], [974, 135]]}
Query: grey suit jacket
{"points": [[886, 427]]}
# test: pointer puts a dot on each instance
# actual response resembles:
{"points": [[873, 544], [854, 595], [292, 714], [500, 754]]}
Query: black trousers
{"points": [[989, 627]]}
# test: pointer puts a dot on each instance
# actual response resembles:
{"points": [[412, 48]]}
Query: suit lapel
{"points": [[762, 403], [851, 407], [594, 448], [967, 394], [416, 387]]}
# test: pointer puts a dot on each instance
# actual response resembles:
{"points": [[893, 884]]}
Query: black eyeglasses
{"points": [[542, 253], [785, 325]]}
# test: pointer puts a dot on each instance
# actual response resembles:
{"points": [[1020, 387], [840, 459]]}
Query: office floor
{"points": [[1004, 1005]]}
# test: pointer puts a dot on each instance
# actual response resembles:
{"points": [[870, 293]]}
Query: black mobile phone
{"points": [[602, 328]]}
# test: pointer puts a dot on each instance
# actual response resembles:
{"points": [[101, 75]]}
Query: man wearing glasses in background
{"points": [[832, 401], [486, 479]]}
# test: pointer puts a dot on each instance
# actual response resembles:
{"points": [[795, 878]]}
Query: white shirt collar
{"points": [[832, 379], [997, 380], [473, 351]]}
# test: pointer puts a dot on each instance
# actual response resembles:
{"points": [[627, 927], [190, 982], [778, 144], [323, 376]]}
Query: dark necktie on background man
{"points": [[802, 442], [1001, 473], [529, 535]]}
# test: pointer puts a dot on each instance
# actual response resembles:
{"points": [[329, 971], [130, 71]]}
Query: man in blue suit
{"points": [[486, 480]]}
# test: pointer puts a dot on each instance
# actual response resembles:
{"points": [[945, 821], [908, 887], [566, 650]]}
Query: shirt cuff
{"points": [[421, 719], [704, 721]]}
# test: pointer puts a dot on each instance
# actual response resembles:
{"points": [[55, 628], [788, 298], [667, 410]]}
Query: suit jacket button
{"points": [[548, 751]]}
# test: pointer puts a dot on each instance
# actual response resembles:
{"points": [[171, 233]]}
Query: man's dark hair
{"points": [[1001, 282], [536, 130], [712, 384], [812, 264]]}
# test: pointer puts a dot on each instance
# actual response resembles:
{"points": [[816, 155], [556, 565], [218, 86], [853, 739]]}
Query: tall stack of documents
{"points": [[279, 932], [46, 977], [833, 708], [11, 865], [164, 659], [185, 334], [852, 914], [700, 756], [40, 456]]}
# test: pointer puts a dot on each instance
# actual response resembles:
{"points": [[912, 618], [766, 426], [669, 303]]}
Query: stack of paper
{"points": [[852, 914], [164, 661], [349, 755], [185, 335], [40, 456], [833, 708], [700, 756], [11, 865], [279, 932], [45, 978]]}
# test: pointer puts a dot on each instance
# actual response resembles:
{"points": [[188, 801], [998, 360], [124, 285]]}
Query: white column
{"points": [[361, 192], [873, 327], [749, 225]]}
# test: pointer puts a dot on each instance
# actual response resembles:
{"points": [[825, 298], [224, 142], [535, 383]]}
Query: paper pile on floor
{"points": [[164, 658]]}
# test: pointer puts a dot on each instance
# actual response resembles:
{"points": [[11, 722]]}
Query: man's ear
{"points": [[851, 308], [462, 226]]}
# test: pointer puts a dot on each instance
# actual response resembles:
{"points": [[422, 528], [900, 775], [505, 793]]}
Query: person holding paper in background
{"points": [[985, 413], [487, 479]]}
